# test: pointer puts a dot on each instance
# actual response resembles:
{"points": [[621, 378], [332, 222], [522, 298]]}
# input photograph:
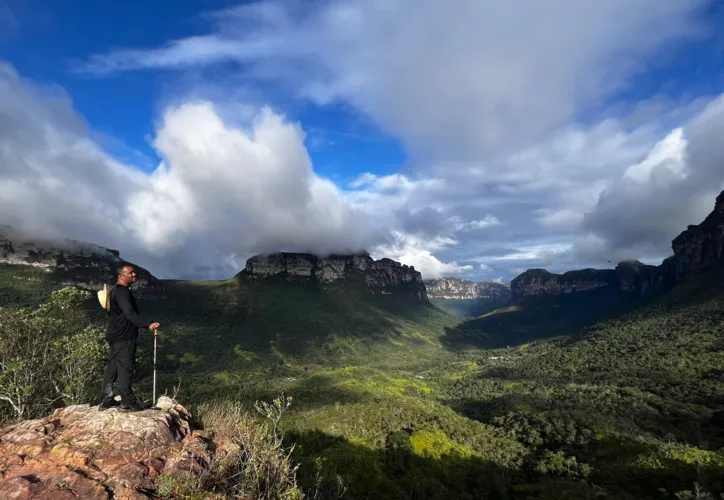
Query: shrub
{"points": [[49, 356]]}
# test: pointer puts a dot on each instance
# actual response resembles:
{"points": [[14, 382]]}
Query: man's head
{"points": [[126, 275]]}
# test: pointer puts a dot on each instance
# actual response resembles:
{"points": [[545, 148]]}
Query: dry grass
{"points": [[250, 461]]}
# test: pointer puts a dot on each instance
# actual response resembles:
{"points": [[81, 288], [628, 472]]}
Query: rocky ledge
{"points": [[457, 289], [699, 247], [382, 277], [67, 261], [80, 452]]}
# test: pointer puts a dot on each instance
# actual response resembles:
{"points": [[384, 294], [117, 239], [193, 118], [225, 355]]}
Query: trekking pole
{"points": [[155, 338]]}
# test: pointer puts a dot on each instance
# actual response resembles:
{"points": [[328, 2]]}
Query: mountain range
{"points": [[695, 250]]}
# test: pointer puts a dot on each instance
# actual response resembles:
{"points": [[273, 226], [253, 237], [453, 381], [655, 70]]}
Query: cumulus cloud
{"points": [[220, 194], [416, 252]]}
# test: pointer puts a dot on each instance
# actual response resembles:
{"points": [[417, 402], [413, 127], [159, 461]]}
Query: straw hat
{"points": [[104, 297]]}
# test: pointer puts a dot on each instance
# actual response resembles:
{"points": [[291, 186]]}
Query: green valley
{"points": [[573, 390]]}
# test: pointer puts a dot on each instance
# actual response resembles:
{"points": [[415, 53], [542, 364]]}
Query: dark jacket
{"points": [[124, 319]]}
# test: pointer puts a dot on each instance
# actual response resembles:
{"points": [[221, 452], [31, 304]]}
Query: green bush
{"points": [[49, 356]]}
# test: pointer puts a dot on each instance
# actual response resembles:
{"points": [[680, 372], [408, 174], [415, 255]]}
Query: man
{"points": [[123, 324]]}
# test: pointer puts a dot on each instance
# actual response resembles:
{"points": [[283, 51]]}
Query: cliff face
{"points": [[382, 277], [539, 282], [454, 288], [68, 261], [701, 246], [698, 247], [629, 277]]}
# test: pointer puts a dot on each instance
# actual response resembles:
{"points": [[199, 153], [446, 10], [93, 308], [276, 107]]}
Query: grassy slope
{"points": [[384, 397]]}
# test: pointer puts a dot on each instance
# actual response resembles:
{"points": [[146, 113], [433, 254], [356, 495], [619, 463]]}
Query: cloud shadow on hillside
{"points": [[579, 414], [276, 320], [394, 472], [397, 472], [537, 318]]}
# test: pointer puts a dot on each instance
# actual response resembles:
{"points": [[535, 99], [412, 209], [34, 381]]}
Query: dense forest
{"points": [[395, 399]]}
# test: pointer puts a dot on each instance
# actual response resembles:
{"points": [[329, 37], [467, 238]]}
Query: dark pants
{"points": [[121, 363]]}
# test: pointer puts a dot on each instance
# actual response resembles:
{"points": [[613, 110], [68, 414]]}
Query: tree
{"points": [[49, 355]]}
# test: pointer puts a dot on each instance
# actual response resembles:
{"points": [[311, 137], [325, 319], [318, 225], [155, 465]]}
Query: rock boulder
{"points": [[80, 452]]}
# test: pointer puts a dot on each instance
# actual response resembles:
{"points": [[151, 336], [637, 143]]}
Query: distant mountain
{"points": [[631, 277], [465, 298], [545, 304], [456, 288], [61, 262], [698, 249], [66, 261]]}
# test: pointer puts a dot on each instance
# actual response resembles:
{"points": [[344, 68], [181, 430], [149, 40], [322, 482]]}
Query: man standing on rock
{"points": [[123, 324]]}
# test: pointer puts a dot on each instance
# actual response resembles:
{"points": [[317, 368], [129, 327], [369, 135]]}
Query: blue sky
{"points": [[50, 36], [478, 141]]}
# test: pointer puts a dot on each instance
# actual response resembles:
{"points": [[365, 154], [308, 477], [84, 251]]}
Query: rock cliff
{"points": [[630, 277], [68, 261], [381, 277], [457, 289], [79, 452], [699, 247], [702, 246], [539, 282]]}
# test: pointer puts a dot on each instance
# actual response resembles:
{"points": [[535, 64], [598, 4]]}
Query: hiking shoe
{"points": [[132, 407], [107, 402]]}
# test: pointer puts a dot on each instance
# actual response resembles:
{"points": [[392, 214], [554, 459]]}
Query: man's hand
{"points": [[154, 326]]}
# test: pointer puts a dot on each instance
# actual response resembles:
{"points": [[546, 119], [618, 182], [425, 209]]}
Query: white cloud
{"points": [[667, 154], [535, 253], [540, 200], [563, 217], [220, 194], [487, 221], [363, 180], [417, 252]]}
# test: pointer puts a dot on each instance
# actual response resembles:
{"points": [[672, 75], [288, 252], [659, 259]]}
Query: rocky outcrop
{"points": [[79, 452], [539, 282], [702, 246], [638, 278], [457, 289], [629, 277], [698, 248], [381, 277], [68, 261]]}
